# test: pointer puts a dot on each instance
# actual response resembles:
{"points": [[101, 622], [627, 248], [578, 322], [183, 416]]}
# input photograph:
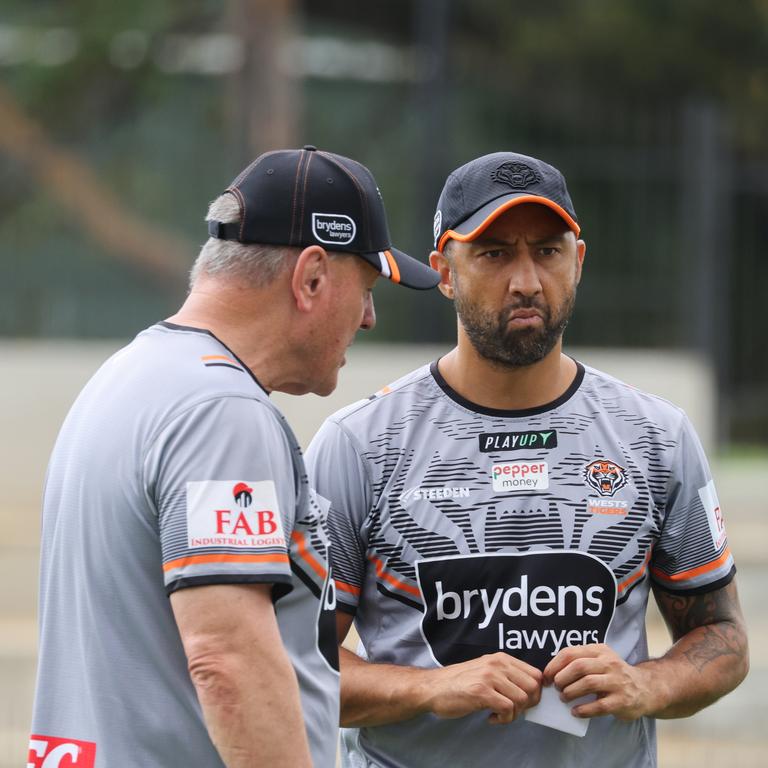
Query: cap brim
{"points": [[403, 269], [470, 228]]}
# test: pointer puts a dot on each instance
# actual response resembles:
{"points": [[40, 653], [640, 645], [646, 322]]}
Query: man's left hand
{"points": [[622, 690]]}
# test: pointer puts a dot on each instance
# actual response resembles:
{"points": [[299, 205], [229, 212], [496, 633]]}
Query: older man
{"points": [[175, 477], [500, 516]]}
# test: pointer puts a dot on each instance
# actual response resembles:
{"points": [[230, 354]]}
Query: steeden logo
{"points": [[520, 476], [333, 228], [430, 494]]}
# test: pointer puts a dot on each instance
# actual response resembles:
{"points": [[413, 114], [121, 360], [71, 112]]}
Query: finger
{"points": [[577, 669], [508, 662], [569, 655], [503, 709], [521, 697], [605, 705], [600, 684]]}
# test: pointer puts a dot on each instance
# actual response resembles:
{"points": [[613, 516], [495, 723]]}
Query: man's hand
{"points": [[497, 682], [621, 689]]}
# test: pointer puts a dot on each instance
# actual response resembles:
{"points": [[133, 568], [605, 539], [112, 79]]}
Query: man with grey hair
{"points": [[187, 603]]}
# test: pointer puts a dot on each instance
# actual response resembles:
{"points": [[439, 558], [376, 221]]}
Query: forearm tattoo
{"points": [[716, 615]]}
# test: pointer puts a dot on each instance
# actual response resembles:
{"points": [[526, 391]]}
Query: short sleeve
{"points": [[336, 471], [221, 480], [692, 554]]}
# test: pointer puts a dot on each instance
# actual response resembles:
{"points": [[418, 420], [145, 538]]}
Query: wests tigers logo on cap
{"points": [[515, 175], [606, 477]]}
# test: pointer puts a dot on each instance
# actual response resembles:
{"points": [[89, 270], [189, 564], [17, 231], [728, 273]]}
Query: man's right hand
{"points": [[498, 682], [378, 694]]}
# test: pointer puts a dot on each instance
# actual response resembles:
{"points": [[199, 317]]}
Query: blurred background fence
{"points": [[119, 124]]}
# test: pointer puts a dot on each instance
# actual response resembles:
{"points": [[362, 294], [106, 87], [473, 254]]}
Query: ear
{"points": [[310, 277], [581, 252], [439, 262]]}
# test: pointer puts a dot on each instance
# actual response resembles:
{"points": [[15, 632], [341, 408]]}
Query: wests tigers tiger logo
{"points": [[606, 477]]}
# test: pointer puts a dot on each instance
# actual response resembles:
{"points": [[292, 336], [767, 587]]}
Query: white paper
{"points": [[554, 713]]}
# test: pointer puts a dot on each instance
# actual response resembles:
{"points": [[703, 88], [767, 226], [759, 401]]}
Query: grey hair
{"points": [[258, 264]]}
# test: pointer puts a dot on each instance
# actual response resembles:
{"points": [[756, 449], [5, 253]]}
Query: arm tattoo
{"points": [[716, 615]]}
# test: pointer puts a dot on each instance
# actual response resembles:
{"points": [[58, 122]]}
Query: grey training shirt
{"points": [[172, 470], [460, 530]]}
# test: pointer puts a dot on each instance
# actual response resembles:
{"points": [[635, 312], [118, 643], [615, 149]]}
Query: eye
{"points": [[548, 250], [495, 253]]}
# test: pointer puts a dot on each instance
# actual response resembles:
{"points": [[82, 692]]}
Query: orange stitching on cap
{"points": [[395, 276], [304, 196], [295, 194], [452, 234], [360, 191]]}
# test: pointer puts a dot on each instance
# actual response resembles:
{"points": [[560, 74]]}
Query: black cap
{"points": [[480, 191], [302, 197]]}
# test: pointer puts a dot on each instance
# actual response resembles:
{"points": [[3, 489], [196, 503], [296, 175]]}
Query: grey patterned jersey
{"points": [[460, 530], [173, 469]]}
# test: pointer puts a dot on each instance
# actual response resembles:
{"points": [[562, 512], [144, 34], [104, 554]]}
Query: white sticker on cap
{"points": [[437, 224], [333, 228], [233, 513]]}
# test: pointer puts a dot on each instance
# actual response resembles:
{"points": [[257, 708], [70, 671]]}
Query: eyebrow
{"points": [[485, 242]]}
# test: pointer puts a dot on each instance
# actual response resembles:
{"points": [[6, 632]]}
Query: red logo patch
{"points": [[54, 752]]}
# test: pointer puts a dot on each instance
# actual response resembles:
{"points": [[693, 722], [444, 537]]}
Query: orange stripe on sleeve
{"points": [[344, 587], [630, 580], [306, 555], [202, 559], [382, 574], [689, 574], [219, 357], [393, 266]]}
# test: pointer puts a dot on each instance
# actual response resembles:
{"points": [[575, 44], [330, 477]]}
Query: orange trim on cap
{"points": [[630, 580], [344, 587], [689, 574], [395, 276], [384, 576], [306, 555], [572, 225], [202, 559]]}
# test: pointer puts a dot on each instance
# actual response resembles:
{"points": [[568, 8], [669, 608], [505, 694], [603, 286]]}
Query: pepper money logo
{"points": [[530, 605], [606, 477]]}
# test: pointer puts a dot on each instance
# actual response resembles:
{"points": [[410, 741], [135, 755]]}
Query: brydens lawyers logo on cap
{"points": [[333, 228]]}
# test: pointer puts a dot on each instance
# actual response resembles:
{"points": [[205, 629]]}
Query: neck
{"points": [[492, 385], [244, 321]]}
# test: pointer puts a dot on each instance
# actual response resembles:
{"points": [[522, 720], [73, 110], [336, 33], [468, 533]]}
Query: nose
{"points": [[524, 276], [369, 313]]}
